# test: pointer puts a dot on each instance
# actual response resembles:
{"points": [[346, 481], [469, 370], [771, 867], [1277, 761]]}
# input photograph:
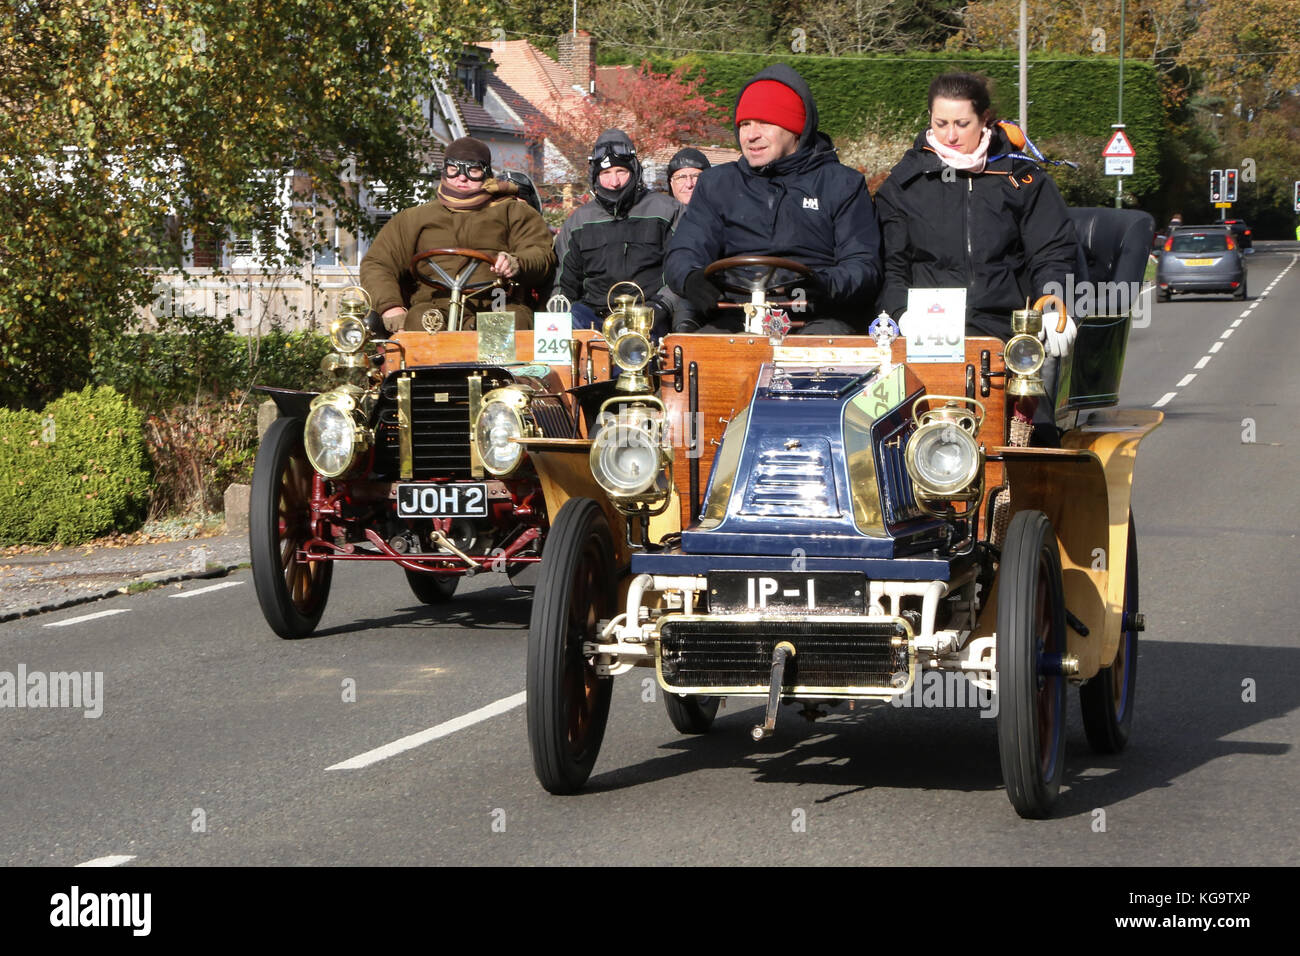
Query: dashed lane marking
{"points": [[433, 733], [87, 617]]}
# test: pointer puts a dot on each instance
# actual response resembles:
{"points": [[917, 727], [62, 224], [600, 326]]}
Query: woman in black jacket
{"points": [[963, 208]]}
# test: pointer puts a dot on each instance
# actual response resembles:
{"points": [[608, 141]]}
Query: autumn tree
{"points": [[127, 124], [657, 110]]}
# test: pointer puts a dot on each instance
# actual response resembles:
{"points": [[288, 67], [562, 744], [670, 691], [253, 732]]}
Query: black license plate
{"points": [[442, 501], [744, 592]]}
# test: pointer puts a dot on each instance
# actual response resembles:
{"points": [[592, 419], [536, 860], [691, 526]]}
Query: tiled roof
{"points": [[533, 75], [510, 96], [479, 119]]}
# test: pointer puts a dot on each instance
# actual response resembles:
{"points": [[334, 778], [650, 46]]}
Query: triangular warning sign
{"points": [[1118, 145]]}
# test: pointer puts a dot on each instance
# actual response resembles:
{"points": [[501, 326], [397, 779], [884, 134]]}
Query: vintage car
{"points": [[823, 519], [409, 458]]}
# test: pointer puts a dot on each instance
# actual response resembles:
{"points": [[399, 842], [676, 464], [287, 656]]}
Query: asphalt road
{"points": [[216, 739]]}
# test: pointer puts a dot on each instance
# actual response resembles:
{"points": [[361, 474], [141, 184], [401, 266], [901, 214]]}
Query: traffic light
{"points": [[1229, 185], [1297, 196], [1216, 185]]}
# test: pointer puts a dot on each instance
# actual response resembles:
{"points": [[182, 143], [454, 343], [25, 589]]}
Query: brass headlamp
{"points": [[348, 333], [1024, 353], [627, 330], [943, 458], [630, 457], [336, 435]]}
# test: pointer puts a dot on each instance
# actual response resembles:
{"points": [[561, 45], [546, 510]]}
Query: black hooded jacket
{"points": [[807, 206], [1002, 234], [620, 235]]}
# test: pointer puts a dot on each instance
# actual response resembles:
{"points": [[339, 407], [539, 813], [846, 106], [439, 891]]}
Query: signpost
{"points": [[1118, 155]]}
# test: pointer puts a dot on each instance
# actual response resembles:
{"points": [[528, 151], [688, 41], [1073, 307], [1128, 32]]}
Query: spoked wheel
{"points": [[1107, 700], [691, 714], [568, 703], [1030, 643], [432, 588], [292, 592]]}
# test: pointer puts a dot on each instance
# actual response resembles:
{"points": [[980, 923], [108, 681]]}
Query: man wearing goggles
{"points": [[621, 234], [473, 210]]}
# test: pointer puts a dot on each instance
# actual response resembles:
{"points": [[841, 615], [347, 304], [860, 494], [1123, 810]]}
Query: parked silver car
{"points": [[1201, 259]]}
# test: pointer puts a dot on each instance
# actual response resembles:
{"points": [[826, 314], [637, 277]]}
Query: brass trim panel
{"points": [[406, 450], [476, 468]]}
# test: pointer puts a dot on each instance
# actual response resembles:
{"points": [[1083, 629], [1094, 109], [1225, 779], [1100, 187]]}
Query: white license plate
{"points": [[442, 501]]}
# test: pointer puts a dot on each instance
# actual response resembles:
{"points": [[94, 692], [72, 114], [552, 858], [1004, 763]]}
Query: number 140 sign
{"points": [[935, 325]]}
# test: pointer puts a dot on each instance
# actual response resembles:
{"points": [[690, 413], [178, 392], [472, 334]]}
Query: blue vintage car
{"points": [[829, 519]]}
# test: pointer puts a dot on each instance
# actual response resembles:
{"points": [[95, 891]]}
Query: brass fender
{"points": [[1085, 489], [564, 472]]}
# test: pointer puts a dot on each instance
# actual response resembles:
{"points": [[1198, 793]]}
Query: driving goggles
{"points": [[475, 171]]}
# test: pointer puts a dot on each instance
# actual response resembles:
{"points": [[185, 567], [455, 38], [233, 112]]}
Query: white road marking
{"points": [[1215, 347], [1187, 380], [1237, 323], [433, 733], [1245, 315], [87, 617], [1205, 360], [208, 589], [1164, 400], [1226, 333], [107, 861]]}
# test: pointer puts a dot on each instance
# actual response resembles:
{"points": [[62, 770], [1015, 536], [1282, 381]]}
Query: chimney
{"points": [[578, 56]]}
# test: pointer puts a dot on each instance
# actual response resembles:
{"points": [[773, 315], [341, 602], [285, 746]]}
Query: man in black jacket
{"points": [[621, 235], [787, 196]]}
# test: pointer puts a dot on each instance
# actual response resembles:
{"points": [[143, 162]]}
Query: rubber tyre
{"points": [[1031, 623], [1241, 291], [568, 704], [292, 593], [432, 588], [1107, 700], [692, 714], [1162, 295]]}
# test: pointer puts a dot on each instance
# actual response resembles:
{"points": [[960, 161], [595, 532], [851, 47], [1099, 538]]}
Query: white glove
{"points": [[1059, 344]]}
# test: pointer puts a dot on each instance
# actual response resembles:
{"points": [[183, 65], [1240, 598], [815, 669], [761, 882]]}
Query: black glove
{"points": [[816, 290], [701, 291]]}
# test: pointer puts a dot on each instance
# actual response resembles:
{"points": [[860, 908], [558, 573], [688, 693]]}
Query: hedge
{"points": [[74, 471], [1067, 97]]}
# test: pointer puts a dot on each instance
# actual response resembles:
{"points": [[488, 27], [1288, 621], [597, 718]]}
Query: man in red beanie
{"points": [[787, 196]]}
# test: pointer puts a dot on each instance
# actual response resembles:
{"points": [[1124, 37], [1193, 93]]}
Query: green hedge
{"points": [[1076, 97], [159, 369], [74, 471]]}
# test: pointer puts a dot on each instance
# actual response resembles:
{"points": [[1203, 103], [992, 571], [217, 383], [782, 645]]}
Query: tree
{"points": [[657, 110], [125, 124]]}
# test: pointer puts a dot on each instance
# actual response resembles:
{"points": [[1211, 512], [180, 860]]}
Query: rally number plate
{"points": [[743, 592], [442, 501]]}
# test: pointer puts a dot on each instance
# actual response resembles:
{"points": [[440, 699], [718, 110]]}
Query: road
{"points": [[216, 740]]}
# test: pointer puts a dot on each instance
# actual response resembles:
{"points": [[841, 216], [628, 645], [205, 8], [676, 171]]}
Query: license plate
{"points": [[740, 592], [442, 501], [1199, 262]]}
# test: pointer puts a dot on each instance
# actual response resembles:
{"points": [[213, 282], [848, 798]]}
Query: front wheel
{"points": [[1030, 644], [431, 588], [691, 713], [1106, 701], [291, 591], [568, 702]]}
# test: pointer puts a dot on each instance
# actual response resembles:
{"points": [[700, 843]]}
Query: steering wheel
{"points": [[758, 286], [440, 281]]}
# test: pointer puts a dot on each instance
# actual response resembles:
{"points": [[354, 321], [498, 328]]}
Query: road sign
{"points": [[1119, 165], [1118, 146], [1297, 196], [1223, 205]]}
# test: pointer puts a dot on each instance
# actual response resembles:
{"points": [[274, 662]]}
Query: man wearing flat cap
{"points": [[473, 210], [620, 235], [787, 196]]}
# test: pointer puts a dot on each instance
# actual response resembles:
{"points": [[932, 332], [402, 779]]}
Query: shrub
{"points": [[197, 451], [73, 472]]}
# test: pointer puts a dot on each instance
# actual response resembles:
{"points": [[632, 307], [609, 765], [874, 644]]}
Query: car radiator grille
{"points": [[726, 652], [440, 422]]}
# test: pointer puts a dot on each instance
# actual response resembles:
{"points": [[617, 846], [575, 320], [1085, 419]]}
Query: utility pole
{"points": [[1024, 67], [1119, 180]]}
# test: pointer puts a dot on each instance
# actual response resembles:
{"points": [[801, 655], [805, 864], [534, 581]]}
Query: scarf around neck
{"points": [[969, 162], [493, 189]]}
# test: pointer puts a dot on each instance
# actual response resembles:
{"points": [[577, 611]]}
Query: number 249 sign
{"points": [[935, 325]]}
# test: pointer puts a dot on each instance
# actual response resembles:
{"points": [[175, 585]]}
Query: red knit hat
{"points": [[770, 101]]}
